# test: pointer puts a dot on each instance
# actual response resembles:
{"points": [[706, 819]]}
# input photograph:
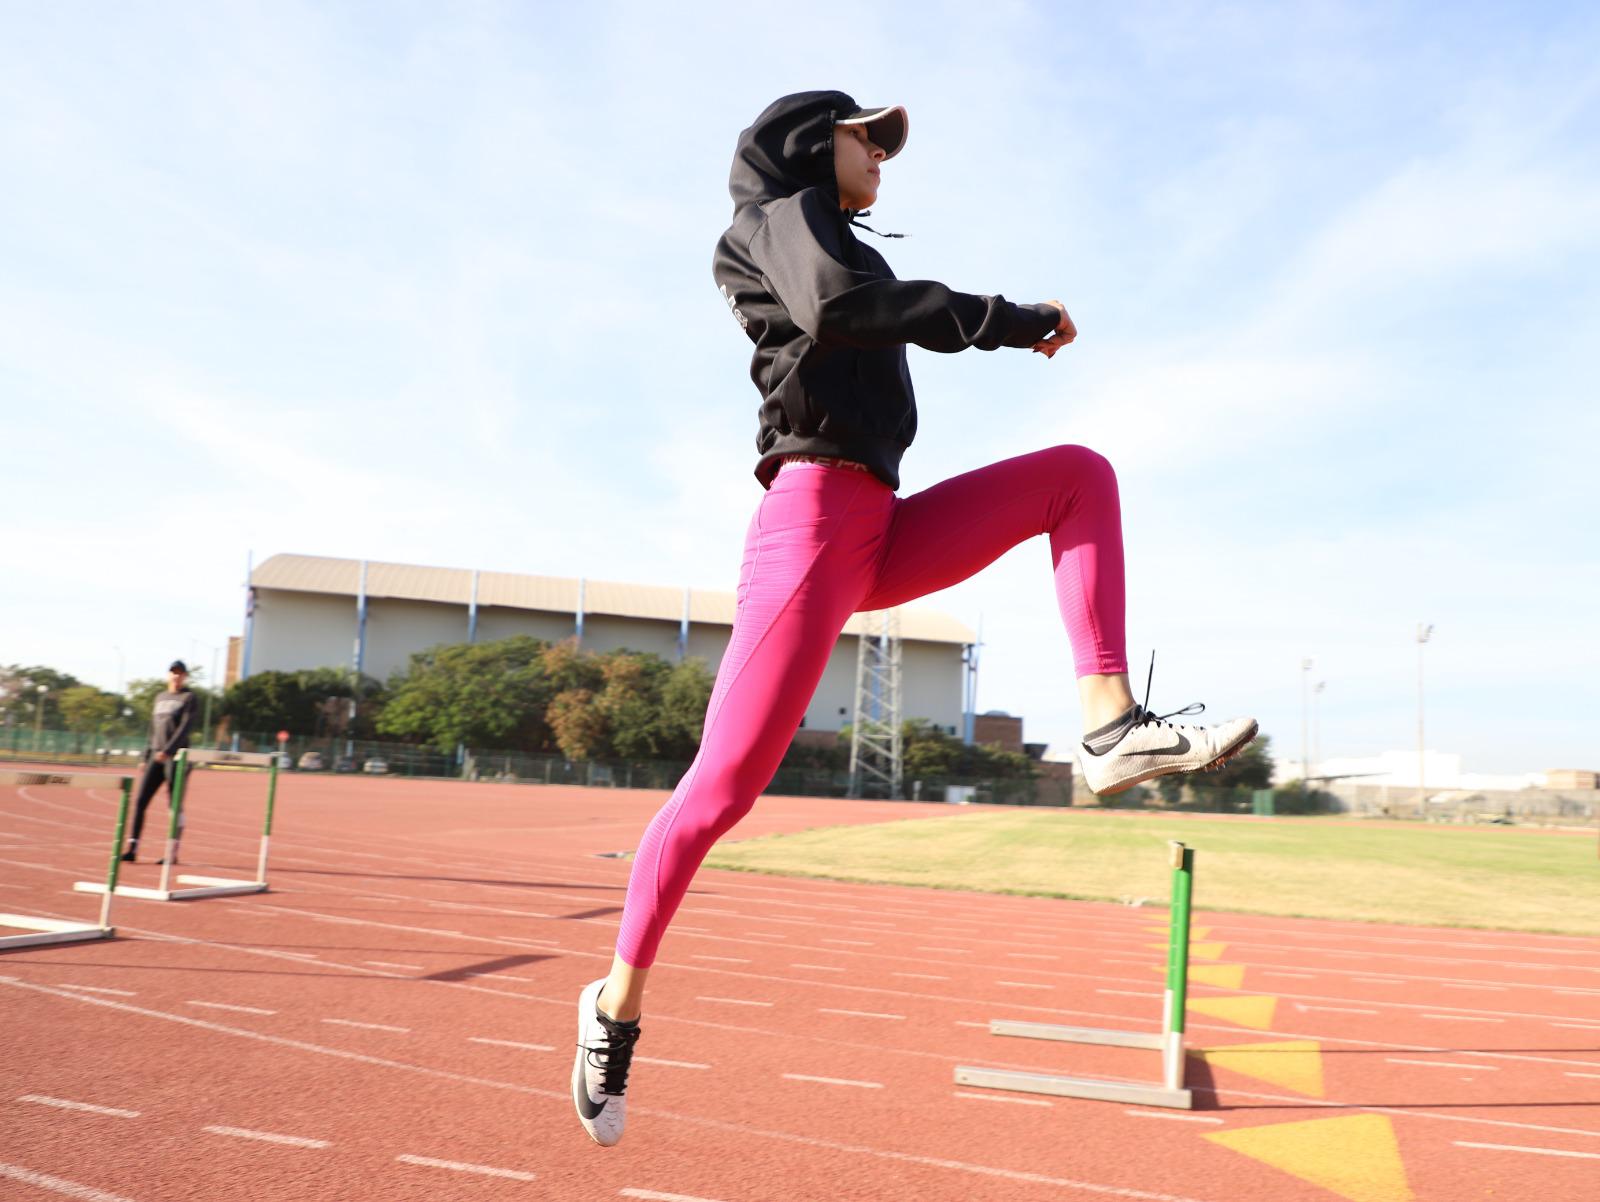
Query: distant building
{"points": [[307, 611], [1571, 778], [999, 729]]}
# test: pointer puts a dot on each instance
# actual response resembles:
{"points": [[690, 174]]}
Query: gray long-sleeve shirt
{"points": [[171, 720]]}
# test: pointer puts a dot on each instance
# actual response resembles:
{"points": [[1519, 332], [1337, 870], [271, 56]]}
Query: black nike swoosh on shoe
{"points": [[1181, 747], [586, 1106]]}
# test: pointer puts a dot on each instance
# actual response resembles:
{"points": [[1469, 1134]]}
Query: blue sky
{"points": [[431, 283]]}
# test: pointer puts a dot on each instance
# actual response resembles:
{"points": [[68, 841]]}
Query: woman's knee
{"points": [[1076, 466]]}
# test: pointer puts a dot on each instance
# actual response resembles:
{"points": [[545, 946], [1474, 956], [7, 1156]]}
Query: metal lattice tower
{"points": [[877, 764]]}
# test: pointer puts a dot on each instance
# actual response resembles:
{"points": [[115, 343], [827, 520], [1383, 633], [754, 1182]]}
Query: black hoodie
{"points": [[829, 320]]}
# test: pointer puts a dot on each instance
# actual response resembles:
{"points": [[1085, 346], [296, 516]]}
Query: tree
{"points": [[577, 723], [479, 694], [292, 701], [1250, 769], [21, 703], [85, 708], [685, 695]]}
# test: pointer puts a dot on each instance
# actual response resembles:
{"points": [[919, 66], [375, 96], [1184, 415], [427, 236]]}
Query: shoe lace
{"points": [[1146, 718], [615, 1056]]}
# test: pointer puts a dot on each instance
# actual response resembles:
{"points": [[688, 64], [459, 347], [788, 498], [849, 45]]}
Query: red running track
{"points": [[395, 1020]]}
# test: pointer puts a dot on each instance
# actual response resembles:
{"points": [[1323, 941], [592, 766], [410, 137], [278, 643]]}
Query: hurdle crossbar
{"points": [[45, 931], [207, 886], [1169, 1091]]}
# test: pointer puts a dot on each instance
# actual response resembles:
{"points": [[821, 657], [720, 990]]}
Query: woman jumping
{"points": [[830, 538]]}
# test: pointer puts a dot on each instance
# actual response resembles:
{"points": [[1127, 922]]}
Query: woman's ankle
{"points": [[1104, 698]]}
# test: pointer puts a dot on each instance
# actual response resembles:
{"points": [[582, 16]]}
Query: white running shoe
{"points": [[1154, 747], [600, 1071]]}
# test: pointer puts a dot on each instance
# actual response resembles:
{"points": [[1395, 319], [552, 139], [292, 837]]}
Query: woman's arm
{"points": [[799, 253]]}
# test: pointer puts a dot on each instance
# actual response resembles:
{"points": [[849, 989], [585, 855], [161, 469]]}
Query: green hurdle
{"points": [[46, 931], [1169, 1091], [204, 886]]}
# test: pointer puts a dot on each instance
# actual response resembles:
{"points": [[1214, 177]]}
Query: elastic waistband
{"points": [[825, 460]]}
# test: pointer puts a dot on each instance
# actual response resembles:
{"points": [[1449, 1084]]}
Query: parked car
{"points": [[375, 766], [344, 763], [311, 761]]}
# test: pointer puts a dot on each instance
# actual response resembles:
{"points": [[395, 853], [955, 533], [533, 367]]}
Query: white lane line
{"points": [[461, 1166], [1178, 1118], [988, 1097], [861, 1013], [1491, 988], [961, 1022], [301, 955], [59, 1185], [268, 1137], [1299, 976], [818, 967], [850, 942], [350, 1022], [1375, 981], [656, 1196], [1031, 956], [510, 1043], [920, 976], [833, 1081], [392, 964], [948, 951], [1332, 1009], [100, 989], [670, 1063], [1573, 1026], [1021, 985], [722, 959], [226, 1006], [1462, 1018], [67, 1104], [1591, 1076], [1127, 993], [732, 1001], [1466, 1143], [1488, 1068]]}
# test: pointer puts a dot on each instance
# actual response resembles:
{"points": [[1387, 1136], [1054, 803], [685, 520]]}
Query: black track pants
{"points": [[155, 772]]}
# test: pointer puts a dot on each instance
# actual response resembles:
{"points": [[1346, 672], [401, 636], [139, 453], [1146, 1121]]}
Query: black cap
{"points": [[887, 126], [178, 665]]}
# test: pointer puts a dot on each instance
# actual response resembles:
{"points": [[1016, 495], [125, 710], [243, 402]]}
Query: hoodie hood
{"points": [[788, 148]]}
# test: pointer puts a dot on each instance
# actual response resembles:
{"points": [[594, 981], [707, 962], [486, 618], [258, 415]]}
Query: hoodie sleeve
{"points": [[799, 253]]}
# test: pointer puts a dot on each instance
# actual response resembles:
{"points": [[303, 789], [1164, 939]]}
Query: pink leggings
{"points": [[827, 542]]}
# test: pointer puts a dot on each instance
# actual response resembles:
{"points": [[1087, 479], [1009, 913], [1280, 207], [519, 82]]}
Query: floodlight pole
{"points": [[1424, 633], [1305, 737]]}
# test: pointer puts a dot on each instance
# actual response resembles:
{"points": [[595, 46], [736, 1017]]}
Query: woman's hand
{"points": [[1063, 334]]}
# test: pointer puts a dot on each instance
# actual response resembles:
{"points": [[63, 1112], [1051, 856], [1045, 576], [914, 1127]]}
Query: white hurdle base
{"points": [[1099, 1089], [211, 886], [49, 930]]}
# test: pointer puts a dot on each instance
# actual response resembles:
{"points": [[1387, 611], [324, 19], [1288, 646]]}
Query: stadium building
{"points": [[308, 611]]}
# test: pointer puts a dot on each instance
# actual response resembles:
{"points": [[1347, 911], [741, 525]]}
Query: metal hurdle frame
{"points": [[208, 886], [1169, 1091], [53, 930]]}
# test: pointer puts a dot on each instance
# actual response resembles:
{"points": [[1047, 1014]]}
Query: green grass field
{"points": [[1497, 878]]}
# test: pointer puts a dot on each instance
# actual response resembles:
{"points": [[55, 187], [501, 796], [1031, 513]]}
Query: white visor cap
{"points": [[888, 127]]}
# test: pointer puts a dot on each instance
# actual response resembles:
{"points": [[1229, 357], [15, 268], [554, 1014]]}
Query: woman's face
{"points": [[855, 166]]}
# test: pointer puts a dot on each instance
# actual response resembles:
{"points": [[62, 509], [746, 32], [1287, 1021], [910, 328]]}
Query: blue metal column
{"points": [[580, 611], [472, 611], [249, 615], [683, 630]]}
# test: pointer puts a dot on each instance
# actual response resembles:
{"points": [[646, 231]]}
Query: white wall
{"points": [[396, 629], [310, 630], [302, 630]]}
